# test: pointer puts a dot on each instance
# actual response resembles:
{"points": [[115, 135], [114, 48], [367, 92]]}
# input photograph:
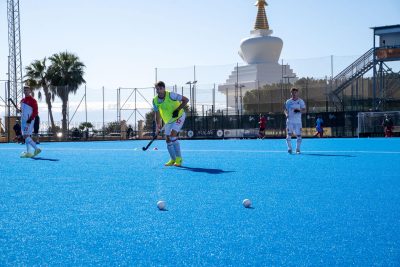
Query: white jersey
{"points": [[290, 106]]}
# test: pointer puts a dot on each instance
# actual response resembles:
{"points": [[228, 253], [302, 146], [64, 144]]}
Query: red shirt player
{"points": [[262, 124], [388, 126], [29, 111]]}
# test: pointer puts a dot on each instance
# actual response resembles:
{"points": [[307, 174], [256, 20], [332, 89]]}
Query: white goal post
{"points": [[370, 124]]}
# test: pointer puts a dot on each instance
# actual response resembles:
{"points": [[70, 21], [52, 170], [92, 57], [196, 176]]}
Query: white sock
{"points": [[27, 146], [289, 142], [177, 146], [171, 150], [298, 143], [29, 141]]}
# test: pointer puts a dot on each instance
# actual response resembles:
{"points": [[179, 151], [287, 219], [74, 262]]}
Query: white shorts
{"points": [[25, 129], [293, 128], [176, 125]]}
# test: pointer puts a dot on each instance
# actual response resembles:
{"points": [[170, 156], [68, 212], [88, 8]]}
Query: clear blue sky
{"points": [[122, 41]]}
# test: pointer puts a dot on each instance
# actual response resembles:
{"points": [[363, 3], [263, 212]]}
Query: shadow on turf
{"points": [[40, 158], [327, 155], [210, 171]]}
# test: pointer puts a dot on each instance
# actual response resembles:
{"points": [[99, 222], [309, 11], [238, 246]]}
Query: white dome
{"points": [[261, 48]]}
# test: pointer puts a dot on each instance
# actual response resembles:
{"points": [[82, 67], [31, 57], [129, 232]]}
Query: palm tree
{"points": [[37, 78], [65, 75]]}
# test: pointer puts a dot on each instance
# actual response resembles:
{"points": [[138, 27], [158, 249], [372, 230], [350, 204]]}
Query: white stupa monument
{"points": [[261, 52]]}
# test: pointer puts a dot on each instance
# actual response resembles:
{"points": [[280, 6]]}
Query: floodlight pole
{"points": [[241, 98], [103, 112], [192, 99]]}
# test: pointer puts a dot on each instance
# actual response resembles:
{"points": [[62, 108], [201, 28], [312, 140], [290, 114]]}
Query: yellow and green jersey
{"points": [[167, 106]]}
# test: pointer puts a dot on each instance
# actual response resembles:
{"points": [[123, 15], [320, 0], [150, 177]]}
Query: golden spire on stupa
{"points": [[261, 21]]}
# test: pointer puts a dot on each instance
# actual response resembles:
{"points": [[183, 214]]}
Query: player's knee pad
{"points": [[289, 137], [169, 143], [173, 139], [299, 137]]}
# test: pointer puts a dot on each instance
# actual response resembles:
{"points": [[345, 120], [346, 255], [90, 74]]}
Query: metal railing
{"points": [[353, 71]]}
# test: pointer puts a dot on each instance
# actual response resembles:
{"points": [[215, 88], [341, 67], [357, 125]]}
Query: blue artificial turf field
{"points": [[336, 204]]}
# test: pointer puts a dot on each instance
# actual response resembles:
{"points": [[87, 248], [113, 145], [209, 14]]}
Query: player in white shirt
{"points": [[293, 109]]}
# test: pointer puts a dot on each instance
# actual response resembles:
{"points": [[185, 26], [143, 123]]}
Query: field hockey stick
{"points": [[15, 105], [155, 137], [152, 140]]}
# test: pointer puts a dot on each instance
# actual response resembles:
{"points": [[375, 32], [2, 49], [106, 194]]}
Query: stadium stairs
{"points": [[355, 70]]}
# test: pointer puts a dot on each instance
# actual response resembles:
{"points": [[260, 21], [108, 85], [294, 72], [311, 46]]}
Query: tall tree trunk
{"points": [[49, 107], [64, 115]]}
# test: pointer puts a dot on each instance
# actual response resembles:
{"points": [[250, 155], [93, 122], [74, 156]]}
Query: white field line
{"points": [[210, 150]]}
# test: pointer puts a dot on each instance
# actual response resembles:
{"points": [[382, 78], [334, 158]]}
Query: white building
{"points": [[261, 52]]}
